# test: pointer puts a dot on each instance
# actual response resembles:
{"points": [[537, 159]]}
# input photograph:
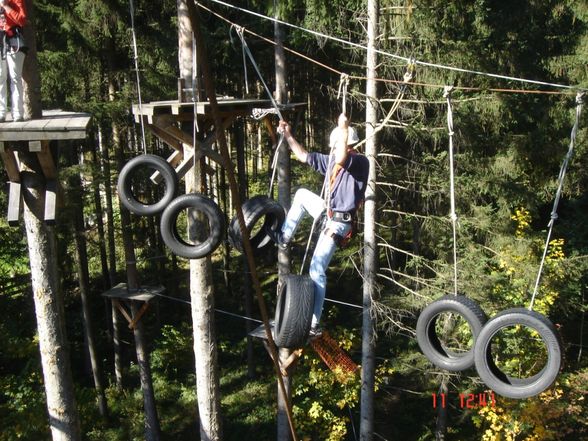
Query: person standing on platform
{"points": [[12, 19]]}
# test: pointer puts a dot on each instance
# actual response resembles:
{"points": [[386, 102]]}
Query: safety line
{"points": [[561, 177], [240, 33], [386, 80], [395, 56], [216, 309], [453, 216], [136, 58]]}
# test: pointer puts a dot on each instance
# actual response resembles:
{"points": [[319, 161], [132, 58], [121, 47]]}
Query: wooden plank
{"points": [[14, 203], [50, 201], [10, 162], [122, 310], [140, 314], [174, 160], [46, 160], [55, 125]]}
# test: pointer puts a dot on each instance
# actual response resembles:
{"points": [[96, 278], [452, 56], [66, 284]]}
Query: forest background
{"points": [[509, 148]]}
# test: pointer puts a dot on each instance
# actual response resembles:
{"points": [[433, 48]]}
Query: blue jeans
{"points": [[306, 201]]}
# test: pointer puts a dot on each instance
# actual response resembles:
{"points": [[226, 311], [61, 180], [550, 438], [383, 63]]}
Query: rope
{"points": [[561, 177], [187, 302], [386, 80], [240, 32], [136, 58], [396, 56], [343, 84], [453, 216]]}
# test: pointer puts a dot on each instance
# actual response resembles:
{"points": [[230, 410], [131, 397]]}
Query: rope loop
{"points": [[343, 85], [410, 70]]}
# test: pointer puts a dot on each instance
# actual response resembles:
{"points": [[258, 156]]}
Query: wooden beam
{"points": [[10, 162], [140, 314], [122, 310], [35, 146], [14, 203], [46, 159]]}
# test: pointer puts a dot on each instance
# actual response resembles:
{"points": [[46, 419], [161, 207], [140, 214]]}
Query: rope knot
{"points": [[410, 70], [447, 91], [580, 97]]}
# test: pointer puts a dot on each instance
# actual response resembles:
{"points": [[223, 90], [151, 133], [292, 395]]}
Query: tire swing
{"points": [[512, 321], [294, 310], [516, 321], [429, 325], [261, 213], [211, 234], [125, 184]]}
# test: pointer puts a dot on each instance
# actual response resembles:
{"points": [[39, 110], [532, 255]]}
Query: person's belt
{"points": [[341, 216]]}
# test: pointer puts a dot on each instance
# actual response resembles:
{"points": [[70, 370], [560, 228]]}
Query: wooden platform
{"points": [[120, 293], [143, 294], [226, 106], [55, 125]]}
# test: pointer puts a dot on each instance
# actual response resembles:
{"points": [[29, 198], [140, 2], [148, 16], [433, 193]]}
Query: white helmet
{"points": [[352, 137]]}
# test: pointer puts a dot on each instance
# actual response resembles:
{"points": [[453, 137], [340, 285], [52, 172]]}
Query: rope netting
{"points": [[332, 355]]}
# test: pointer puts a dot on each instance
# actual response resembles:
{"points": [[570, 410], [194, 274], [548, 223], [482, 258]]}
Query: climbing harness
{"points": [[488, 371], [426, 331]]}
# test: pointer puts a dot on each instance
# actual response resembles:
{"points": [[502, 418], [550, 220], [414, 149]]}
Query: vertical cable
{"points": [[560, 178], [136, 58], [453, 216]]}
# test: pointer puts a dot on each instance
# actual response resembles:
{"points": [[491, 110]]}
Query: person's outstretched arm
{"points": [[299, 151]]}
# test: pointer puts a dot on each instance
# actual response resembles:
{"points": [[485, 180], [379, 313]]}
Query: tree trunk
{"points": [[201, 287], [61, 404], [30, 73], [99, 213], [81, 257], [152, 429], [283, 173], [441, 423], [370, 246]]}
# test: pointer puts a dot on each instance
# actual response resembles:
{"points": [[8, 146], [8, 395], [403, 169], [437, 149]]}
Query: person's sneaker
{"points": [[2, 119], [18, 119], [276, 236], [315, 332]]}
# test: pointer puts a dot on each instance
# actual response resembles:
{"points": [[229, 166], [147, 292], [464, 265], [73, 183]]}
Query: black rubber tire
{"points": [[254, 210], [169, 228], [125, 192], [497, 380], [294, 310], [428, 339]]}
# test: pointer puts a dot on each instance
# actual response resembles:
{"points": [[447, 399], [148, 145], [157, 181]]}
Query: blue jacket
{"points": [[350, 185]]}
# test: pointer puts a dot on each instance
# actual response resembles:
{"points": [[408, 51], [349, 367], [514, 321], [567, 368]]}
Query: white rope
{"points": [[452, 215], [342, 92], [136, 57], [561, 177], [396, 56]]}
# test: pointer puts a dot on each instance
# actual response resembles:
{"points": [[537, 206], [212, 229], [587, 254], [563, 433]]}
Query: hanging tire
{"points": [[294, 310], [260, 213], [214, 220], [431, 344], [125, 184], [499, 381]]}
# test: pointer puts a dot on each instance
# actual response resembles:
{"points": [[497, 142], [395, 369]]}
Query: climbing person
{"points": [[12, 19], [346, 174]]}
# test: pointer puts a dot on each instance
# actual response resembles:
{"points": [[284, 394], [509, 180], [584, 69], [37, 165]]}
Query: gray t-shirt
{"points": [[350, 184]]}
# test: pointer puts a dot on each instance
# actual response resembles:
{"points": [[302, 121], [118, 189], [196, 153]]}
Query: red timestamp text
{"points": [[465, 401]]}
